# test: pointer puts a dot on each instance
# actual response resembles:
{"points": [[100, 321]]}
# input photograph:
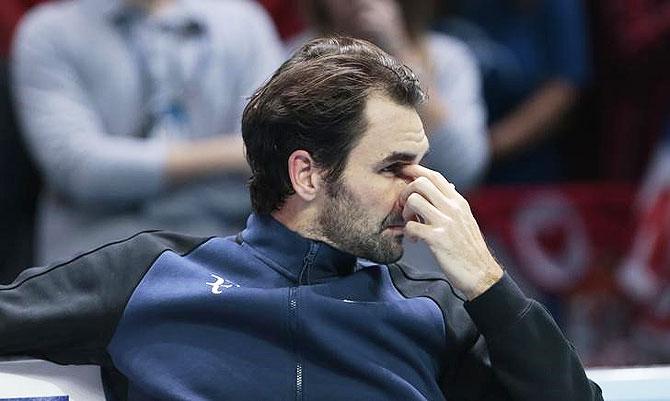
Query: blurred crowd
{"points": [[552, 116]]}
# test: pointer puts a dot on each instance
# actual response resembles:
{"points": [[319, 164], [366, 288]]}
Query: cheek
{"points": [[376, 193], [383, 197]]}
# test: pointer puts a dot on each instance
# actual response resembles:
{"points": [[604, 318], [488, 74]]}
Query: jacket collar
{"points": [[304, 260]]}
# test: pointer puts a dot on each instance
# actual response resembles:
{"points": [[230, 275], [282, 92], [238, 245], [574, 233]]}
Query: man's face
{"points": [[362, 213]]}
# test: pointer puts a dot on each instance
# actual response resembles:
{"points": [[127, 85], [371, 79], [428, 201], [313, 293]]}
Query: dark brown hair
{"points": [[315, 102]]}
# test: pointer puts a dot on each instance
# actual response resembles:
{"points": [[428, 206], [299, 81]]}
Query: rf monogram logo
{"points": [[220, 284]]}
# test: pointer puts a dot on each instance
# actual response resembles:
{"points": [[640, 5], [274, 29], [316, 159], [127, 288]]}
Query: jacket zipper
{"points": [[293, 316]]}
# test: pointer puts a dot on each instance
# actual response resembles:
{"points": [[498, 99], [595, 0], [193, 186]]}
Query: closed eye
{"points": [[393, 168]]}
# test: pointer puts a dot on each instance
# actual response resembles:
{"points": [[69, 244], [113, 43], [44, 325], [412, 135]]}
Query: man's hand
{"points": [[437, 214]]}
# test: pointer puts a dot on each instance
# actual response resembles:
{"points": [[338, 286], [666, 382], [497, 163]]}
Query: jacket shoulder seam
{"points": [[99, 248]]}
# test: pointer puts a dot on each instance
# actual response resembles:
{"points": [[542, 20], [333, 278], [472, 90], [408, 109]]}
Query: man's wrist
{"points": [[499, 307], [488, 279]]}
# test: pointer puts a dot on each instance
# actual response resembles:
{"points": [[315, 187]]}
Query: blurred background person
{"points": [[20, 181], [131, 109], [534, 60], [454, 116], [11, 12], [632, 91], [631, 113]]}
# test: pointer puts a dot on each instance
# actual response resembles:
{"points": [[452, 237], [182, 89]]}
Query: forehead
{"points": [[391, 128]]}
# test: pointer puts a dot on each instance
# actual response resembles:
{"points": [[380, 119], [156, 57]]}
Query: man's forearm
{"points": [[532, 120], [530, 357], [204, 157]]}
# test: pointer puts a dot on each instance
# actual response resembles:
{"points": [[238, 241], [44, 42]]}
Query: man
{"points": [[131, 110], [306, 303]]}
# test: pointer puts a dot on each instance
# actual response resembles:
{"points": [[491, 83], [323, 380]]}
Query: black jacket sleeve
{"points": [[501, 346], [520, 353], [68, 312]]}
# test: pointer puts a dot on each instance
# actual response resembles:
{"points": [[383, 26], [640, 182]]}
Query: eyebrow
{"points": [[398, 157]]}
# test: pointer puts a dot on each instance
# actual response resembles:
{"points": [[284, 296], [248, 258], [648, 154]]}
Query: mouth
{"points": [[394, 223], [396, 228]]}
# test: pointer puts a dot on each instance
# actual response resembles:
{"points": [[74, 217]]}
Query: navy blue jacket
{"points": [[270, 315]]}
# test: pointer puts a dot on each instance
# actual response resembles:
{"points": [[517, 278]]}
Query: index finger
{"points": [[415, 171]]}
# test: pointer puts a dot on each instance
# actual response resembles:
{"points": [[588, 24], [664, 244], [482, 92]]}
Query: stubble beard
{"points": [[350, 228]]}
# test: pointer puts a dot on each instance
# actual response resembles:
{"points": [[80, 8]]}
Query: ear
{"points": [[305, 175]]}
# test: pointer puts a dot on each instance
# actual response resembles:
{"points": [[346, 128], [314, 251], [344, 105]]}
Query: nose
{"points": [[402, 184], [405, 177]]}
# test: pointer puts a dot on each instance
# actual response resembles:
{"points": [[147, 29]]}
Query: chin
{"points": [[390, 256]]}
